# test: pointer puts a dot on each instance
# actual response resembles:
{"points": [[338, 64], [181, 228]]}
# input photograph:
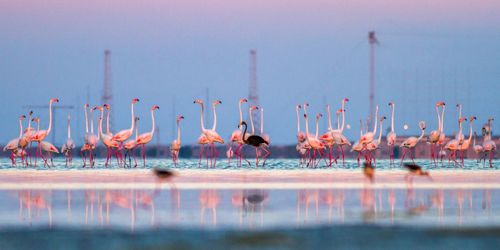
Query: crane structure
{"points": [[107, 94], [372, 40], [253, 95], [54, 115]]}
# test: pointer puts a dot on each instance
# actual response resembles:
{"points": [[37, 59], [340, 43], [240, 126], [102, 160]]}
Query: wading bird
{"points": [[466, 143], [111, 146], [316, 145], [68, 146], [489, 146], [130, 145], [256, 142], [123, 135], [391, 136], [208, 136], [145, 138], [454, 145], [410, 143], [13, 145], [236, 135], [435, 135], [175, 146], [415, 170], [42, 134], [374, 145], [478, 149]]}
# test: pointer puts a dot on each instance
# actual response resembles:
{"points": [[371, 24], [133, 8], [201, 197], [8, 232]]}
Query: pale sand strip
{"points": [[242, 179]]}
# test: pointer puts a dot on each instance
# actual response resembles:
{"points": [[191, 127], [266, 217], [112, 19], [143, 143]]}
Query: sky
{"points": [[166, 52]]}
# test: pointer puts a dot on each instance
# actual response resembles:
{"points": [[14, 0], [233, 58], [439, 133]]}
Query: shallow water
{"points": [[279, 164]]}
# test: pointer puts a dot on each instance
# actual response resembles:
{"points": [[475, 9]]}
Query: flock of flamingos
{"points": [[312, 148]]}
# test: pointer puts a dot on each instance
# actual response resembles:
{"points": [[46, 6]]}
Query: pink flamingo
{"points": [[123, 135], [338, 135], [327, 138], [68, 146], [316, 145], [391, 136], [477, 148], [411, 142], [175, 146], [460, 136], [374, 145], [209, 135], [145, 138], [357, 146], [454, 145], [368, 136], [111, 146], [92, 139], [86, 146], [42, 134], [435, 135], [466, 143], [236, 135], [489, 146], [442, 137], [49, 148], [13, 145], [130, 145], [302, 145]]}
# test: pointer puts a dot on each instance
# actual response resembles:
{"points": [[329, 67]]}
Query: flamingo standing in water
{"points": [[202, 139], [368, 136], [175, 146], [316, 145], [435, 135], [454, 145], [411, 142], [13, 145], [210, 136], [460, 136], [68, 146], [374, 145], [338, 135], [111, 146], [145, 138], [92, 139], [391, 136], [130, 145], [489, 146], [236, 135], [45, 147], [327, 138], [478, 149], [123, 135], [357, 146], [442, 137], [86, 146], [26, 140], [302, 145], [466, 143], [42, 134], [256, 142]]}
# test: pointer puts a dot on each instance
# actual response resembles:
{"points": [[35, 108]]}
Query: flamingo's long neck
{"points": [[152, 122], [50, 118], [343, 116], [29, 123], [474, 143], [360, 128], [439, 119], [298, 120], [214, 126], [376, 120], [241, 113], [20, 128], [380, 133], [100, 125], [317, 127], [392, 117], [459, 129], [132, 117], [251, 120], [91, 122], [421, 135], [107, 121], [86, 120], [330, 118], [69, 129], [470, 131], [307, 127], [442, 119], [201, 117], [261, 120], [178, 132], [243, 137]]}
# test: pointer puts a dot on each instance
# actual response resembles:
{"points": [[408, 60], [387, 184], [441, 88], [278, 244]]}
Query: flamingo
{"points": [[202, 139], [49, 148], [489, 146], [368, 136], [442, 136], [255, 141], [42, 134], [145, 138], [411, 142], [86, 146], [477, 148], [374, 145], [435, 135], [175, 146], [108, 111], [302, 145], [466, 143], [338, 135], [391, 136], [313, 141], [67, 148], [130, 145], [357, 146], [327, 138], [210, 136], [107, 140], [126, 133], [455, 144], [92, 139], [27, 138], [236, 135], [459, 136], [13, 145]]}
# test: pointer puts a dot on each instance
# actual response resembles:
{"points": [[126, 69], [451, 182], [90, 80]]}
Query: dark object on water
{"points": [[255, 198], [415, 169], [252, 140], [163, 173], [369, 171]]}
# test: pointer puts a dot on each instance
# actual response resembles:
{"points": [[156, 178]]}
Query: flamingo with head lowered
{"points": [[42, 134], [145, 138], [236, 135]]}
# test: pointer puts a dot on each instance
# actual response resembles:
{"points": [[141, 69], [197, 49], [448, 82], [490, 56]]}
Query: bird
{"points": [[489, 146], [435, 135], [13, 145], [411, 142], [92, 139], [49, 148], [68, 146], [302, 146], [175, 146], [108, 111], [374, 145], [130, 145], [327, 138], [477, 148], [40, 135], [369, 171], [454, 145], [123, 135], [236, 135], [111, 146], [210, 136], [357, 146], [254, 141], [466, 143], [145, 138], [416, 170], [459, 136], [368, 136], [391, 136], [86, 147], [316, 145]]}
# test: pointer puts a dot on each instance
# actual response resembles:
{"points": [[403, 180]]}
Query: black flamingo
{"points": [[257, 142]]}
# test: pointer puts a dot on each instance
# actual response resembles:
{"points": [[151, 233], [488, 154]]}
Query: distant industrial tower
{"points": [[372, 40], [107, 94], [253, 95]]}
